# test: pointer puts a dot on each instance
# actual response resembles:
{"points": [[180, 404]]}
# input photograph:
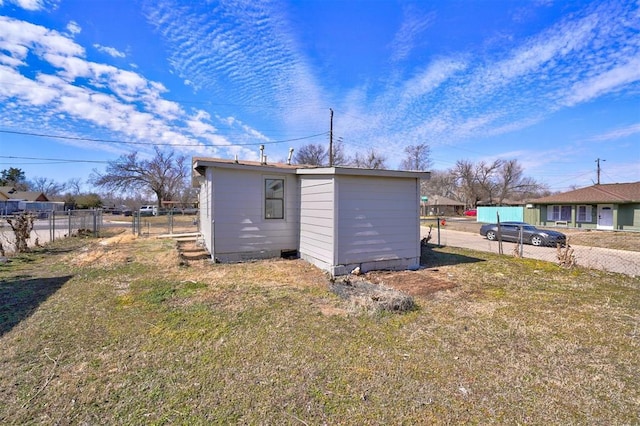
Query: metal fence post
{"points": [[500, 251], [53, 225], [521, 241], [69, 214]]}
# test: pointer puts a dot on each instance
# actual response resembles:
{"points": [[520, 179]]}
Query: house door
{"points": [[605, 216]]}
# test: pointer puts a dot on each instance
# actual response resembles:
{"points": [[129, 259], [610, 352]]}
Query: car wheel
{"points": [[537, 240], [491, 235]]}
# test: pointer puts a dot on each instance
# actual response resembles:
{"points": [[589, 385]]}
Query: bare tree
{"points": [[312, 154], [370, 160], [487, 175], [441, 183], [494, 182], [165, 174], [340, 158], [465, 177], [513, 184], [74, 185], [47, 186], [417, 157]]}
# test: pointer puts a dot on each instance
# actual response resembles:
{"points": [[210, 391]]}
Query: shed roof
{"points": [[200, 163], [616, 193]]}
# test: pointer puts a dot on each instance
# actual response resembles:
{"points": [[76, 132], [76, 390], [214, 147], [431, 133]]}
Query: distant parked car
{"points": [[123, 210], [471, 212], [510, 231], [148, 211]]}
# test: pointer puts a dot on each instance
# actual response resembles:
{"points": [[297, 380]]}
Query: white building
{"points": [[334, 217]]}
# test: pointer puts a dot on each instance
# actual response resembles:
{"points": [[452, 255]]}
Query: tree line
{"points": [[166, 176], [128, 179], [471, 183]]}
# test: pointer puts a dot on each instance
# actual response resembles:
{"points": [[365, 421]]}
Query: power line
{"points": [[76, 138], [59, 160]]}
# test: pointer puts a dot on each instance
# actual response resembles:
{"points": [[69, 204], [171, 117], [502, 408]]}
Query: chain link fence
{"points": [[51, 225], [612, 251], [170, 222]]}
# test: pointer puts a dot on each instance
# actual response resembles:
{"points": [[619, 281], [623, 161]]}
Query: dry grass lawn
{"points": [[120, 330]]}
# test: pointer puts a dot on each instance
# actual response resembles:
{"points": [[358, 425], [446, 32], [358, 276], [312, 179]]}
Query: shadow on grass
{"points": [[19, 298], [431, 258]]}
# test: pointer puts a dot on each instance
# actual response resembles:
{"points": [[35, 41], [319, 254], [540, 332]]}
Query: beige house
{"points": [[437, 205]]}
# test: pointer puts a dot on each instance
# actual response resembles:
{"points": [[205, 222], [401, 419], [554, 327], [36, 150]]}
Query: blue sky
{"points": [[555, 85]]}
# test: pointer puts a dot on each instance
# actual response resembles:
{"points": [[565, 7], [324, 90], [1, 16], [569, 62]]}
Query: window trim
{"points": [[588, 213], [265, 179], [558, 208]]}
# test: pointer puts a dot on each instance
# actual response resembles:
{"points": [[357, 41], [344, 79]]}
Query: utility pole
{"points": [[331, 139], [598, 161]]}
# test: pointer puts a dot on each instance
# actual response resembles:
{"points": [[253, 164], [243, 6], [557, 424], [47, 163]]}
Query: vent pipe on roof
{"points": [[290, 155], [261, 154], [236, 159]]}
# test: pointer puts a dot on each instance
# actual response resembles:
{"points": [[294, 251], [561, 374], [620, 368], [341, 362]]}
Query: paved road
{"points": [[622, 261]]}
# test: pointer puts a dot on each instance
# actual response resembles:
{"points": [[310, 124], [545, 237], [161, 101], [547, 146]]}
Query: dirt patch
{"points": [[421, 283]]}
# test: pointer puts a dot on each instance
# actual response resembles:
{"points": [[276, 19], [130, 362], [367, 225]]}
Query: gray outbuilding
{"points": [[336, 218]]}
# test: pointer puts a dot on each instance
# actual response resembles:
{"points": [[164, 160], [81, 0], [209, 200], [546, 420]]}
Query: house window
{"points": [[559, 213], [584, 214], [274, 198]]}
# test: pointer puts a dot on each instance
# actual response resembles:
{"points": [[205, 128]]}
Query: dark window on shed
{"points": [[274, 198]]}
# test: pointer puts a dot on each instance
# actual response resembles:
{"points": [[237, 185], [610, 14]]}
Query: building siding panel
{"points": [[378, 220], [239, 225], [317, 220]]}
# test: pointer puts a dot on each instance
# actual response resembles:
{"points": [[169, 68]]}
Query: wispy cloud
{"points": [[112, 51], [73, 28], [582, 57], [620, 133], [120, 102], [28, 4], [607, 82], [247, 54], [413, 25], [243, 52]]}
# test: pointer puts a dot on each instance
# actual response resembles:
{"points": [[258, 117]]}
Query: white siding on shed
{"points": [[317, 221], [240, 230], [366, 221], [205, 210], [378, 220]]}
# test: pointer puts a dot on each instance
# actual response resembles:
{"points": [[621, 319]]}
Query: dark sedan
{"points": [[510, 231]]}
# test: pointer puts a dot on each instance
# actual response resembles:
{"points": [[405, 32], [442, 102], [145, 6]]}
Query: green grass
{"points": [[129, 336]]}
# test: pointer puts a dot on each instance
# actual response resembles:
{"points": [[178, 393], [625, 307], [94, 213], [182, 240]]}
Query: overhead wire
{"points": [[78, 138], [52, 160]]}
